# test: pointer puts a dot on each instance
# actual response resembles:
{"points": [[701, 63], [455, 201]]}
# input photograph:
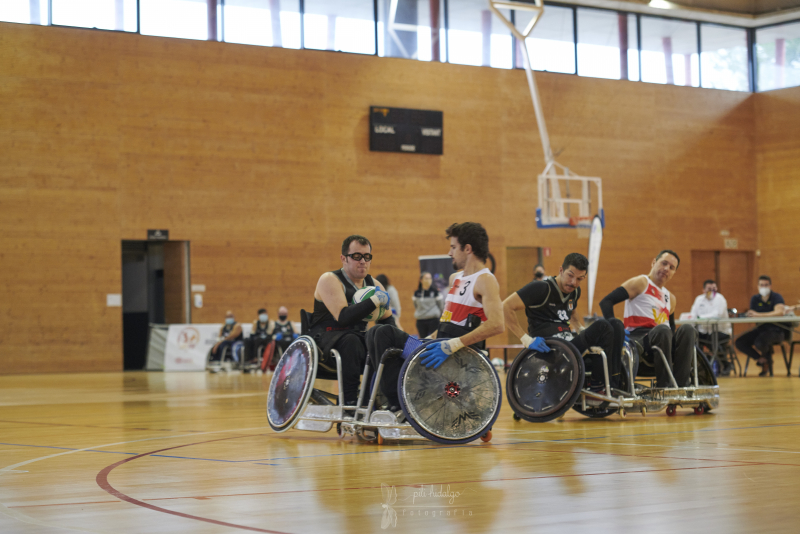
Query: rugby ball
{"points": [[365, 293]]}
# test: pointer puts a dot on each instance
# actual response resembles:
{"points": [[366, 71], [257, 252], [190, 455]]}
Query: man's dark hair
{"points": [[667, 251], [383, 280], [262, 310], [709, 281], [537, 266], [576, 260], [765, 277], [361, 241], [470, 233]]}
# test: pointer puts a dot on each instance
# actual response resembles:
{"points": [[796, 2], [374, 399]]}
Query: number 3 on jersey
{"points": [[563, 315]]}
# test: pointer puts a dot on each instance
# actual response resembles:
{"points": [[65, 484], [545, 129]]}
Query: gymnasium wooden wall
{"points": [[778, 170], [259, 157]]}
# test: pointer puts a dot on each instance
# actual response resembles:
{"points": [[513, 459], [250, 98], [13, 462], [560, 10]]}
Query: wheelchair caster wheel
{"points": [[379, 439], [671, 410], [486, 438], [339, 430], [517, 417], [699, 410], [644, 411], [623, 413]]}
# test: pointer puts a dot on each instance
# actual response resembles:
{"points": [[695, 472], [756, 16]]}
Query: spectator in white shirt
{"points": [[711, 305]]}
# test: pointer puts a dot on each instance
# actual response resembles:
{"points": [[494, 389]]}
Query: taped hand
{"points": [[535, 343]]}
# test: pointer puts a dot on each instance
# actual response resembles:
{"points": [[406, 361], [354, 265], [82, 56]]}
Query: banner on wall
{"points": [[188, 345], [440, 267], [595, 242]]}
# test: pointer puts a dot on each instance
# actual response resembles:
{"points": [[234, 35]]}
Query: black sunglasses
{"points": [[357, 256]]}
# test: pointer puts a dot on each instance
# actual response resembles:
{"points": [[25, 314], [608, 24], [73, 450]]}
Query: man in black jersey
{"points": [[282, 331], [549, 303], [339, 324]]}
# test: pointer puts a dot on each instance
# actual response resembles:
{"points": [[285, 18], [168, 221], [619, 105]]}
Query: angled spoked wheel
{"points": [[292, 384], [456, 403], [542, 386]]}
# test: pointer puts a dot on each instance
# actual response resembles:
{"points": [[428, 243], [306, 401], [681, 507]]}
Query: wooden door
{"points": [[704, 267], [735, 280]]}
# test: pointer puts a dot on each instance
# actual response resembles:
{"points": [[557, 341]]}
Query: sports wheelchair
{"points": [[456, 403], [543, 386]]}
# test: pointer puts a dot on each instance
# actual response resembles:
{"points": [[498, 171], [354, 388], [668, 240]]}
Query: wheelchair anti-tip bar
{"points": [[669, 370]]}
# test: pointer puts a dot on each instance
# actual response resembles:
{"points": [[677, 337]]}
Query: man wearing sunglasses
{"points": [[339, 324]]}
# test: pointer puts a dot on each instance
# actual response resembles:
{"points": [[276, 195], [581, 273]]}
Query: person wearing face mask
{"points": [[260, 337], [283, 332], [649, 318], [230, 333], [538, 272], [758, 342], [428, 306]]}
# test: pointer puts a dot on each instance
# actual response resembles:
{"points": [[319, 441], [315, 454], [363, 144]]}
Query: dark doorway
{"points": [[154, 291]]}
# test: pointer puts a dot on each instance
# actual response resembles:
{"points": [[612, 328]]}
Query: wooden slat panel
{"points": [[259, 157]]}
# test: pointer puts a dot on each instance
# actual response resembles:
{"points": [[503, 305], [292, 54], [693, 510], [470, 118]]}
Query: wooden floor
{"points": [[154, 452]]}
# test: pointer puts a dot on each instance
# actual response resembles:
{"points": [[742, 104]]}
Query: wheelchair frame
{"points": [[318, 412], [653, 399]]}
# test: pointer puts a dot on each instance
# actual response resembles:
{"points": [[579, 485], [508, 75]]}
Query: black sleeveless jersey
{"points": [[548, 309], [260, 330], [322, 320], [228, 328], [285, 329]]}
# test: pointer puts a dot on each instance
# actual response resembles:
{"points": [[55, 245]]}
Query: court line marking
{"points": [[19, 516], [102, 481]]}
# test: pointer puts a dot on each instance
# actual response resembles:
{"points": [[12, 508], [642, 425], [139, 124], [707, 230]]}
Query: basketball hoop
{"points": [[581, 222]]}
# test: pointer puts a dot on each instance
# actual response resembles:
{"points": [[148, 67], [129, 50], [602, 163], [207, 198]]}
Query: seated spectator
{"points": [[712, 305], [283, 332], [230, 333], [428, 306], [538, 272], [394, 298], [260, 337], [758, 342]]}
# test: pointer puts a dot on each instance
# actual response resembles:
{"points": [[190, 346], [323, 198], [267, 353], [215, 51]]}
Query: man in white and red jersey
{"points": [[650, 318], [473, 311]]}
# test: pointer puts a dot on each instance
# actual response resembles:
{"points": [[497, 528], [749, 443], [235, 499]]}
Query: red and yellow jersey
{"points": [[461, 302], [648, 309]]}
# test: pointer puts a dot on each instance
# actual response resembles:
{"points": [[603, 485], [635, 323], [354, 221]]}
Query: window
{"points": [[607, 45], [724, 58], [778, 56], [345, 25], [103, 14], [404, 29], [187, 19], [477, 37], [551, 45], [262, 22], [24, 11], [669, 52]]}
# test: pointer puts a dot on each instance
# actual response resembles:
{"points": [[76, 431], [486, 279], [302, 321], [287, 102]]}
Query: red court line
{"points": [[102, 481]]}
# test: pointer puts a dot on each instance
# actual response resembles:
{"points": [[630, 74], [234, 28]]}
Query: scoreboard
{"points": [[405, 130]]}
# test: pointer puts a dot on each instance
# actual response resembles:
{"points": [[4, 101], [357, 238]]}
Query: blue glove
{"points": [[535, 343], [278, 336], [627, 337], [383, 298], [433, 355], [295, 336]]}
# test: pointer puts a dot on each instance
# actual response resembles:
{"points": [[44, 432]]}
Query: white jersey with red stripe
{"points": [[461, 302], [648, 309]]}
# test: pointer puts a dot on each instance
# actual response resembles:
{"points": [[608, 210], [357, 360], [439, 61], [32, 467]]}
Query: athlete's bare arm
{"points": [[511, 306], [331, 293], [487, 292], [635, 286]]}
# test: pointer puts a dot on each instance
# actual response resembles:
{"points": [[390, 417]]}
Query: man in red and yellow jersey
{"points": [[649, 317]]}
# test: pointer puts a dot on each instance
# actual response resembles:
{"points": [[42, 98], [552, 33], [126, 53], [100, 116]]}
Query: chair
{"points": [[787, 359], [725, 353]]}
